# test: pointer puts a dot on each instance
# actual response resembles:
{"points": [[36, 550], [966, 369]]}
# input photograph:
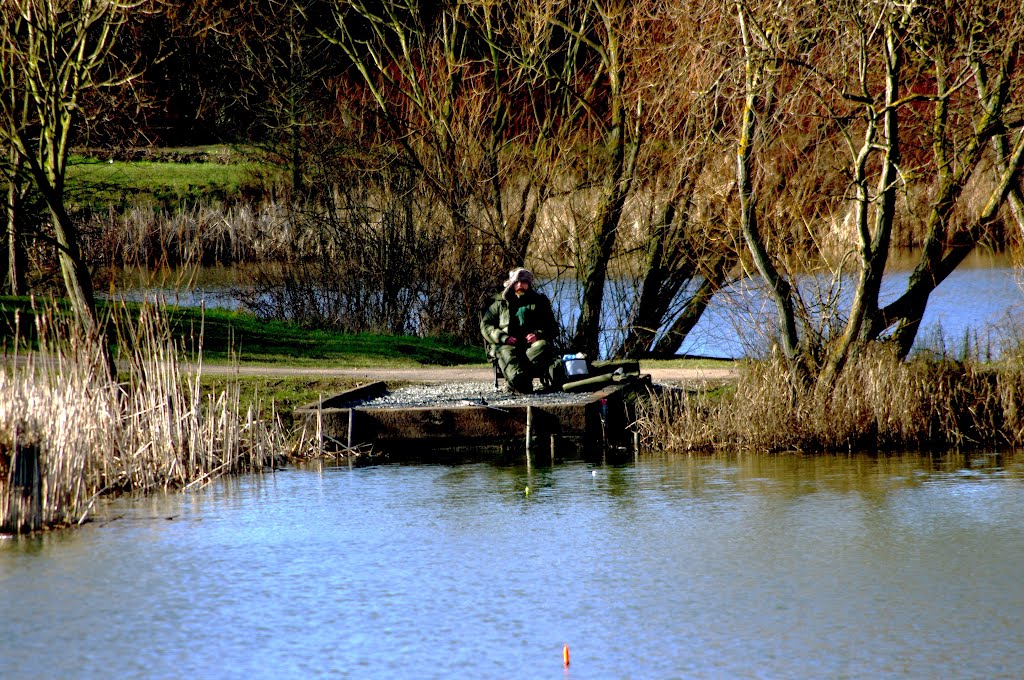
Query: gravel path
{"points": [[463, 386], [452, 394]]}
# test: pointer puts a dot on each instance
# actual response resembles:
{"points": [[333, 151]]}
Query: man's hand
{"points": [[531, 338], [510, 340]]}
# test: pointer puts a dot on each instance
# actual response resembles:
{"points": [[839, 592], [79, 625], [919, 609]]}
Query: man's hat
{"points": [[519, 274]]}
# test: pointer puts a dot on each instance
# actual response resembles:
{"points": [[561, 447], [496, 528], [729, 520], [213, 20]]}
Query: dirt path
{"points": [[436, 374], [689, 377]]}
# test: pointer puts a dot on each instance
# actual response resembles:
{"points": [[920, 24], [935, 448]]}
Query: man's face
{"points": [[521, 287]]}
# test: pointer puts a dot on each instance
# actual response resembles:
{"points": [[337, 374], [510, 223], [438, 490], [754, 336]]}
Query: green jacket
{"points": [[509, 315]]}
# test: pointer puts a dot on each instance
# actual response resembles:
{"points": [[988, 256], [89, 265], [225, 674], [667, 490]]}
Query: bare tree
{"points": [[598, 87], [417, 63], [13, 254], [686, 241], [884, 65], [52, 53], [877, 57], [759, 98], [521, 148], [977, 45], [460, 97]]}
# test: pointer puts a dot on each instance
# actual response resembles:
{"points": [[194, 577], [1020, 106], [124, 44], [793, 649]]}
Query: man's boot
{"points": [[521, 382]]}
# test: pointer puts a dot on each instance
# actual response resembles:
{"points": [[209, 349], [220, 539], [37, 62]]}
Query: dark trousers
{"points": [[521, 364]]}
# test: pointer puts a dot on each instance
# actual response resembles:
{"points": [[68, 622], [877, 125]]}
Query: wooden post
{"points": [[26, 478], [351, 426], [320, 427], [529, 428]]}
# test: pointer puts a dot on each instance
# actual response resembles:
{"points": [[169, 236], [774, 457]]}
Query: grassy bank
{"points": [[164, 177], [238, 338]]}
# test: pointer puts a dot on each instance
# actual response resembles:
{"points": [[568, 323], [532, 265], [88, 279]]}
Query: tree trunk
{"points": [[779, 288], [616, 188], [938, 263], [874, 250], [942, 253], [655, 295], [75, 272], [597, 258]]}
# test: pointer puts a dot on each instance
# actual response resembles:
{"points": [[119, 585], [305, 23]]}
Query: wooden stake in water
{"points": [[320, 426], [529, 428]]}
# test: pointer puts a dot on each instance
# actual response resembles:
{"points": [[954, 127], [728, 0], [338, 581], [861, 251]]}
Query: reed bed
{"points": [[69, 433], [206, 233], [879, 403]]}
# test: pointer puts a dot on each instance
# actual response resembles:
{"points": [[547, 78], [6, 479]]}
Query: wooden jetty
{"points": [[601, 417]]}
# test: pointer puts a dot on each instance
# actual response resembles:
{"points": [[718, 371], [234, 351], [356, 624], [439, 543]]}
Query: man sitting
{"points": [[520, 325]]}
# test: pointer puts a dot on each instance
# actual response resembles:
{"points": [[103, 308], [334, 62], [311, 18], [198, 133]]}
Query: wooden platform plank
{"points": [[458, 425]]}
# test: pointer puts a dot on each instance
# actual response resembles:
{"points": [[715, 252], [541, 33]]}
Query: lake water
{"points": [[744, 566], [980, 302]]}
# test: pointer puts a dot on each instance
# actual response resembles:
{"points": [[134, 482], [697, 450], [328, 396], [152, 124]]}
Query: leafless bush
{"points": [[378, 256]]}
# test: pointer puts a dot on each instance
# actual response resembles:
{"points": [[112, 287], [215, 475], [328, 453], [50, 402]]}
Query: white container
{"points": [[575, 367]]}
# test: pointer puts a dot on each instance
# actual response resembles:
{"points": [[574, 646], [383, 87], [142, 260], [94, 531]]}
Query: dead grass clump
{"points": [[69, 433], [878, 403]]}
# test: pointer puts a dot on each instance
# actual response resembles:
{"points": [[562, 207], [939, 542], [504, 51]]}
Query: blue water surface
{"points": [[726, 567]]}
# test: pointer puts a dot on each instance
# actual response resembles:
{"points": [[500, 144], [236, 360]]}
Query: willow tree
{"points": [[686, 250], [517, 115], [53, 54], [593, 72], [759, 87], [869, 83], [973, 173]]}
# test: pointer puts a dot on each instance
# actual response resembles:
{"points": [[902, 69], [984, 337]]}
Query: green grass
{"points": [[152, 183], [279, 394], [94, 182], [227, 336], [243, 337]]}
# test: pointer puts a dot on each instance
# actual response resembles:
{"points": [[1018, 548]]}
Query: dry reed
{"points": [[879, 403], [70, 434], [207, 233]]}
